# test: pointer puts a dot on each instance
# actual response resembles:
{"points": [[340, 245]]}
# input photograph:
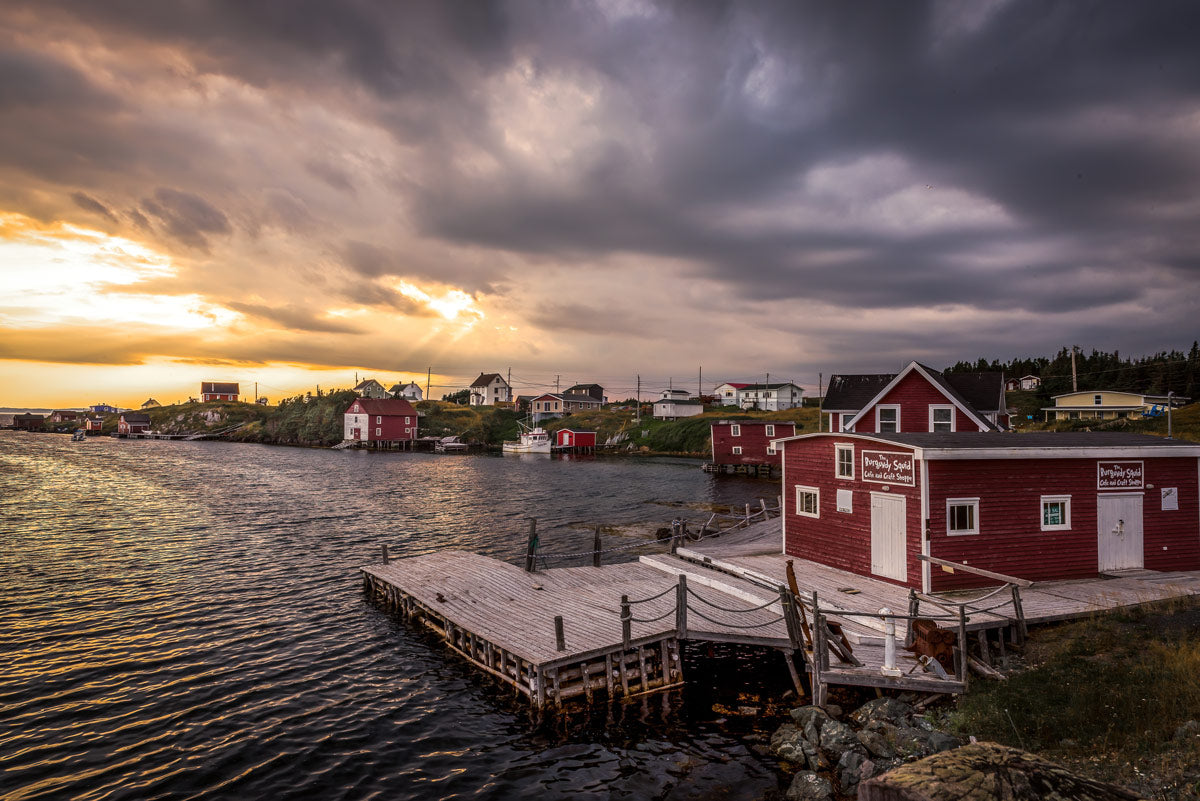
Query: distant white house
{"points": [[675, 394], [673, 409], [490, 389], [370, 388], [410, 391], [1025, 383], [766, 397]]}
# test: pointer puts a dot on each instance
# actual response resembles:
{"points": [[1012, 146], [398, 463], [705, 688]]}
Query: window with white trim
{"points": [[735, 431], [941, 418], [770, 432], [808, 501], [378, 419], [887, 419], [845, 461], [771, 449], [1056, 512], [737, 450], [379, 432], [962, 516], [1098, 400]]}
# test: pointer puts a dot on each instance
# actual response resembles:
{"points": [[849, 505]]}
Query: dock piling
{"points": [[385, 554], [559, 635], [531, 547], [596, 548]]}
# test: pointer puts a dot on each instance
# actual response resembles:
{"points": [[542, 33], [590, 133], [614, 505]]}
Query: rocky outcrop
{"points": [[876, 737], [987, 772]]}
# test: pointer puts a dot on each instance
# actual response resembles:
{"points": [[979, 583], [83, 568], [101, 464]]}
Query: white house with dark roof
{"points": [[490, 389], [410, 392]]}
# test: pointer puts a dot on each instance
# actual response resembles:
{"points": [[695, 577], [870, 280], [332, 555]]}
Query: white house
{"points": [[770, 397], [672, 409], [410, 391], [490, 389]]}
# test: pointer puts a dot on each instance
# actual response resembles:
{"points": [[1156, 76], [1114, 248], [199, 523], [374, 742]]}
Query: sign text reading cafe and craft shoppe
{"points": [[887, 467], [1119, 475]]}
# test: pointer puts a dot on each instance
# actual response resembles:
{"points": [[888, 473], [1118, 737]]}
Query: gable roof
{"points": [[780, 385], [384, 406], [575, 397], [850, 393], [366, 382], [487, 379], [982, 390], [937, 380], [218, 388], [135, 417]]}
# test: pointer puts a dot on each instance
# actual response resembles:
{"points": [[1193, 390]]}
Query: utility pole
{"points": [[638, 406], [1074, 383], [764, 392], [821, 400], [256, 392], [428, 374], [700, 383], [510, 395]]}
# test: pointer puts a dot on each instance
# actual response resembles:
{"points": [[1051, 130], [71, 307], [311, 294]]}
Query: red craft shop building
{"points": [[389, 423], [574, 440], [747, 446], [1041, 506]]}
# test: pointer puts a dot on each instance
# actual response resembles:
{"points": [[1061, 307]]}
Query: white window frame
{"points": [[838, 450], [1097, 400], [771, 449], [1065, 500], [737, 450], [879, 422], [770, 432], [378, 419], [379, 432], [801, 491], [940, 406], [971, 502], [735, 430]]}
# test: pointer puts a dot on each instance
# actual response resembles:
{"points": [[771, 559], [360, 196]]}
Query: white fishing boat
{"points": [[79, 436], [532, 440], [449, 445]]}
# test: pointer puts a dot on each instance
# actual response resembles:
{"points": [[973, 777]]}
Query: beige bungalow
{"points": [[1106, 404]]}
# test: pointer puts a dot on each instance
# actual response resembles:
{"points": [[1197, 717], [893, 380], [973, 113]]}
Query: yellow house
{"points": [[1105, 404]]}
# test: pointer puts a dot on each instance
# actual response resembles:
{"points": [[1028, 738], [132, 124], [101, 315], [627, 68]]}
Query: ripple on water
{"points": [[185, 620]]}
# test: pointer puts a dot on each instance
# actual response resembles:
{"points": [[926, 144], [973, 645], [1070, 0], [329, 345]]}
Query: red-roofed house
{"points": [[381, 423]]}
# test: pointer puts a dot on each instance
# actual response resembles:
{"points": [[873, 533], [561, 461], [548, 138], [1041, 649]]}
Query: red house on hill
{"points": [[917, 399], [1038, 506], [742, 444], [217, 391], [381, 423]]}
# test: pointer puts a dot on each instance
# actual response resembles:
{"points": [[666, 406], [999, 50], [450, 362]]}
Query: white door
{"points": [[889, 556], [1119, 532]]}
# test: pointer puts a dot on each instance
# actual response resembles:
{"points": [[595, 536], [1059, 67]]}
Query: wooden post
{"points": [[596, 548], [681, 607], [914, 606], [962, 643], [385, 554], [790, 657], [531, 548], [747, 515], [1021, 631], [559, 637], [626, 624], [789, 618]]}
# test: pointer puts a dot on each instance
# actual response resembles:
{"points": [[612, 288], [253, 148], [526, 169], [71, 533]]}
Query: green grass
{"points": [[1107, 693]]}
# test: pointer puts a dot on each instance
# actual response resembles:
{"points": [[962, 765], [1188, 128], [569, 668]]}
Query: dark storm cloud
{"points": [[770, 147], [88, 203], [185, 216]]}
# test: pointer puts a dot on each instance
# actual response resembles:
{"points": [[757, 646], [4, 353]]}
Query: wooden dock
{"points": [[615, 631]]}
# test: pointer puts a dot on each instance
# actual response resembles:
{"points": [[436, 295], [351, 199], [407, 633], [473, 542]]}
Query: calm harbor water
{"points": [[185, 620]]}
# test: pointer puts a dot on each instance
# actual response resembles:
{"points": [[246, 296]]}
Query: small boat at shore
{"points": [[449, 445], [532, 440], [79, 436]]}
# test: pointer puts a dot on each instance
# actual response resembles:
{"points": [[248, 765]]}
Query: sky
{"points": [[298, 194]]}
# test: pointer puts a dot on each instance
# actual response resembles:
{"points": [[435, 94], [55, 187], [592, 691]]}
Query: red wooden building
{"points": [[571, 439], [1038, 506], [133, 423], [381, 423], [92, 425], [218, 391], [917, 399], [747, 444]]}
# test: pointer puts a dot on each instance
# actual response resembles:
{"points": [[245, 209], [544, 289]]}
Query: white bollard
{"points": [[889, 644]]}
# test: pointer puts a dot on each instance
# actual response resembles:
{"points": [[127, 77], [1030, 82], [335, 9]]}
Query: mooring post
{"points": [[889, 644], [560, 638], [531, 548], [681, 607], [596, 548], [962, 643], [385, 554], [914, 607], [626, 627], [747, 514], [676, 531]]}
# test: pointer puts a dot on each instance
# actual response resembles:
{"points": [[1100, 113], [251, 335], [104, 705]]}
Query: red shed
{"points": [[218, 391], [381, 423], [1038, 506], [748, 442], [133, 423], [574, 439]]}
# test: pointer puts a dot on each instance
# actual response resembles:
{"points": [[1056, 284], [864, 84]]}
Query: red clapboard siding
{"points": [[1011, 540], [753, 440], [839, 539], [915, 395]]}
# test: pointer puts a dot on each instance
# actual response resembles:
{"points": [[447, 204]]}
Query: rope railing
{"points": [[692, 593], [771, 622]]}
